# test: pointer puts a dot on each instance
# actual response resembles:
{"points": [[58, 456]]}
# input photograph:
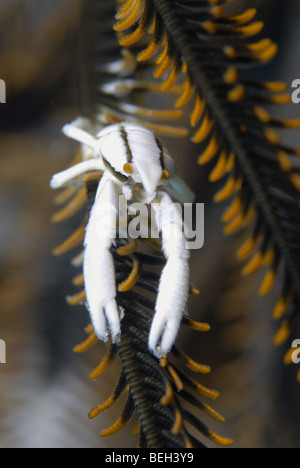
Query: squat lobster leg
{"points": [[174, 283], [98, 266]]}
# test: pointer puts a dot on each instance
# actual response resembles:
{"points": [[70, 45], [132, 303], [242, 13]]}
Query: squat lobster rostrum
{"points": [[135, 164]]}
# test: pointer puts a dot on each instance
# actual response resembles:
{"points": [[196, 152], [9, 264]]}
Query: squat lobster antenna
{"points": [[77, 134], [69, 175]]}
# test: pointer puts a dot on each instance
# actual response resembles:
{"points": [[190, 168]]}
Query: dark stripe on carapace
{"points": [[126, 142], [161, 153], [120, 177]]}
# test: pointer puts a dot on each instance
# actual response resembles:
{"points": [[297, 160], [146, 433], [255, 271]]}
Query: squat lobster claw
{"points": [[136, 164]]}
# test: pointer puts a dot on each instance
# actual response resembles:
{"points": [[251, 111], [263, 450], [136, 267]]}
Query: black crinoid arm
{"points": [[163, 393], [210, 51]]}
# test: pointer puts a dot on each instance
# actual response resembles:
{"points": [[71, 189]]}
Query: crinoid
{"points": [[199, 54], [113, 86]]}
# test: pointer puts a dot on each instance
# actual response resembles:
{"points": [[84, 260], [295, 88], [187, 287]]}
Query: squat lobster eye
{"points": [[127, 168], [165, 175]]}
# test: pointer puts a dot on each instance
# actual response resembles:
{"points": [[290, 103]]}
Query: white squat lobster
{"points": [[137, 165]]}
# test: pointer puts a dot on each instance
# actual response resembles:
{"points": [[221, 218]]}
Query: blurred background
{"points": [[45, 395]]}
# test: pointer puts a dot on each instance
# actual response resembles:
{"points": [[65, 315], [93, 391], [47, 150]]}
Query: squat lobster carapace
{"points": [[135, 164]]}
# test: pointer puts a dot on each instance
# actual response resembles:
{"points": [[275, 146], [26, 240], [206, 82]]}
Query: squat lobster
{"points": [[137, 165]]}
